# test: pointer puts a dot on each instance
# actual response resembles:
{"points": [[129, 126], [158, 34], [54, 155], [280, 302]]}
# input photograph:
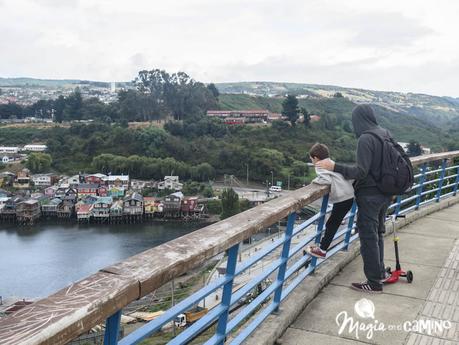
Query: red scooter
{"points": [[395, 275]]}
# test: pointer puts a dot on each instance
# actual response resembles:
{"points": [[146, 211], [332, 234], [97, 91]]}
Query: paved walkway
{"points": [[430, 248]]}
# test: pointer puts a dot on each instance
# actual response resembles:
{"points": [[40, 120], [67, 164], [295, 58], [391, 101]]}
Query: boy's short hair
{"points": [[320, 151]]}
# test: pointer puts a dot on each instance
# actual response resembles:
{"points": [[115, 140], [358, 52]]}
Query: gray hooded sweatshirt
{"points": [[340, 188], [369, 152]]}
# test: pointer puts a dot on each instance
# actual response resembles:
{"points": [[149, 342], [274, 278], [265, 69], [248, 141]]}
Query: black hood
{"points": [[363, 119]]}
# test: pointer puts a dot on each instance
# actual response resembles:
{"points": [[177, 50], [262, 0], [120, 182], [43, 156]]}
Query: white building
{"points": [[170, 182], [9, 149], [117, 181], [35, 148], [42, 180]]}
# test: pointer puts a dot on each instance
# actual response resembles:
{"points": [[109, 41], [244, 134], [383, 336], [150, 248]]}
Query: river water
{"points": [[37, 261]]}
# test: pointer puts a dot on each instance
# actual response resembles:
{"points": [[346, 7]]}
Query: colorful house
{"points": [[84, 212], [87, 189], [102, 191], [101, 208], [150, 206], [116, 192], [116, 210], [189, 204], [94, 178], [50, 192]]}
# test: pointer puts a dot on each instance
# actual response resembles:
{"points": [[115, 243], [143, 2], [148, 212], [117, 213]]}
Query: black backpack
{"points": [[395, 172]]}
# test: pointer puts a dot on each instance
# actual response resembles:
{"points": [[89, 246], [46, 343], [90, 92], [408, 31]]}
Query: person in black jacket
{"points": [[372, 203]]}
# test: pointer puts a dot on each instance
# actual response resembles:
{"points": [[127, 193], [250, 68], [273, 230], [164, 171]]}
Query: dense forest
{"points": [[199, 148]]}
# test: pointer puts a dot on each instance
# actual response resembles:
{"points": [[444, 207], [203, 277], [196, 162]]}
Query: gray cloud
{"points": [[356, 43]]}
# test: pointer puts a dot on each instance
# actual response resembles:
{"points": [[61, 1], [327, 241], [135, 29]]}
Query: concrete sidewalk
{"points": [[430, 248]]}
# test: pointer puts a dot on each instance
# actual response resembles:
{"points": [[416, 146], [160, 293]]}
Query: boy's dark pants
{"points": [[338, 212], [370, 225]]}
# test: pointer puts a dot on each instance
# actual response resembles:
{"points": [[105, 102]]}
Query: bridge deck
{"points": [[430, 248]]}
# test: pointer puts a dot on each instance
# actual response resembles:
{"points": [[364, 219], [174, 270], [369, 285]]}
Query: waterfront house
{"points": [[84, 212], [90, 199], [50, 192], [133, 205], [116, 192], [94, 178], [69, 182], [101, 208], [102, 191], [66, 209], [43, 180], [172, 204], [9, 207], [22, 180], [87, 189], [189, 204], [62, 193], [49, 209], [116, 211], [150, 206], [117, 181], [171, 183], [28, 211]]}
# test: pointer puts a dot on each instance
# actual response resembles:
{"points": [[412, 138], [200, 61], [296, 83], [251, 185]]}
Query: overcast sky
{"points": [[384, 45]]}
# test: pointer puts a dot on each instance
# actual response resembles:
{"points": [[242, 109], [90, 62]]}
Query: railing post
{"points": [[350, 225], [284, 258], [320, 226], [440, 183], [227, 292], [398, 205], [456, 183], [112, 328], [420, 188]]}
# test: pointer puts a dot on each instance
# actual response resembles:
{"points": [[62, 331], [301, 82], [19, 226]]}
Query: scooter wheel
{"points": [[388, 270], [409, 276]]}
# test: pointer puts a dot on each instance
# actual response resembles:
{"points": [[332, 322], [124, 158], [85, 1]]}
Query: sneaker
{"points": [[317, 252], [387, 275], [366, 287]]}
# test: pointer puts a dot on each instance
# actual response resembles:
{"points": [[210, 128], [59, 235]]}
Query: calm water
{"points": [[39, 260]]}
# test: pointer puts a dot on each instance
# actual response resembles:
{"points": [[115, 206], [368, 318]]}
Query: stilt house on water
{"points": [[101, 209], [28, 211], [133, 206]]}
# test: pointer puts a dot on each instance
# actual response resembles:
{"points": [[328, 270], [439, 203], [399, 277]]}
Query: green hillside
{"points": [[433, 109], [404, 127]]}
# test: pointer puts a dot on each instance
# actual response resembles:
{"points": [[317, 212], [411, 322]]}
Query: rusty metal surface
{"points": [[75, 309]]}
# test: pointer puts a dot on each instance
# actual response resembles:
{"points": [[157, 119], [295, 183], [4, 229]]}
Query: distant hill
{"points": [[51, 83], [433, 109], [404, 126]]}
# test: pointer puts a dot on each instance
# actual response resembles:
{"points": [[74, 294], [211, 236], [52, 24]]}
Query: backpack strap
{"points": [[381, 140]]}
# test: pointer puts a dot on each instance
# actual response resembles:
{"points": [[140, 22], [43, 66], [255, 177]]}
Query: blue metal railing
{"points": [[430, 186]]}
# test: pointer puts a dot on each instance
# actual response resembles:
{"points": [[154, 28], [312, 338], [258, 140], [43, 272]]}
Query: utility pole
{"points": [[272, 178], [247, 181], [288, 183]]}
